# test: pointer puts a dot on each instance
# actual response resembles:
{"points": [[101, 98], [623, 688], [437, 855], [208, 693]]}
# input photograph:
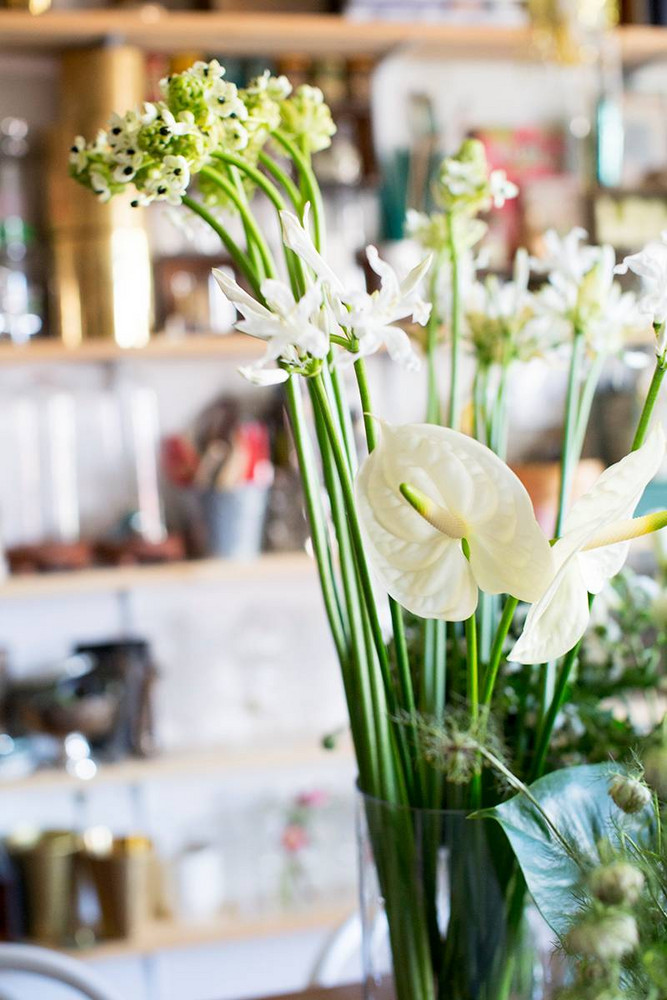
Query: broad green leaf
{"points": [[577, 801]]}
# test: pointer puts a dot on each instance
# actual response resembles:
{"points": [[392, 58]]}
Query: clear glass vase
{"points": [[445, 914]]}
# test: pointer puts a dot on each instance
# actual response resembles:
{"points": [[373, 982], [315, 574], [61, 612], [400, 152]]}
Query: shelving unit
{"points": [[123, 578], [235, 347], [167, 935], [153, 28], [219, 761]]}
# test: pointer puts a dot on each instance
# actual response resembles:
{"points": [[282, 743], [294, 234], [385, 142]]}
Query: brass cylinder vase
{"points": [[101, 278]]}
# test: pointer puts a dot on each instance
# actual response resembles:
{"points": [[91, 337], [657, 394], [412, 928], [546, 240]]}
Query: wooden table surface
{"points": [[339, 993]]}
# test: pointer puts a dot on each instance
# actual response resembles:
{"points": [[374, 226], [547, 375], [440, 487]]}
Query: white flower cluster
{"points": [[158, 149], [307, 116], [298, 332], [582, 296], [466, 185], [500, 319]]}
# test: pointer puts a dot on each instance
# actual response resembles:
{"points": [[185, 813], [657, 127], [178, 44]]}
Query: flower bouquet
{"points": [[426, 543]]}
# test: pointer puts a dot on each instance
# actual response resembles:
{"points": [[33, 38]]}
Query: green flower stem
{"points": [[393, 758], [480, 428], [256, 176], [252, 247], [497, 650], [232, 248], [473, 697], [433, 693], [433, 404], [283, 178], [498, 437], [332, 375], [585, 404], [375, 628], [400, 644], [311, 187], [523, 789], [571, 407], [246, 217], [473, 674], [546, 729], [650, 401], [357, 685], [455, 331], [316, 517]]}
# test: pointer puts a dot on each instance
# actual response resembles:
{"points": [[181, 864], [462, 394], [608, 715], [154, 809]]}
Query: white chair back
{"points": [[52, 966]]}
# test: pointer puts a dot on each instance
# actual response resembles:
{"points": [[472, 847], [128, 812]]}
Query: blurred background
{"points": [[176, 780]]}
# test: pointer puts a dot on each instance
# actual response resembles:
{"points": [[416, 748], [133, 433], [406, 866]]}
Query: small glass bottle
{"points": [[21, 292]]}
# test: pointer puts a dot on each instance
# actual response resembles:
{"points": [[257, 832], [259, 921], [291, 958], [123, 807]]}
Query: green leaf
{"points": [[577, 801]]}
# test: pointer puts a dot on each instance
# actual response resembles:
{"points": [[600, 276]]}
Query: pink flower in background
{"points": [[294, 838], [311, 800]]}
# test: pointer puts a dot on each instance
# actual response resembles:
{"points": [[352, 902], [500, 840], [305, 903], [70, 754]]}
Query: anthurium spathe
{"points": [[592, 550], [428, 493]]}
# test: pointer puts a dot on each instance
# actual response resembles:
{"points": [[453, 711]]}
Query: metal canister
{"points": [[46, 864], [122, 873], [102, 286]]}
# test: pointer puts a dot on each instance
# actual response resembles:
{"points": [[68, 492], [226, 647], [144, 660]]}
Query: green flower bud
{"points": [[629, 794], [306, 117], [607, 936], [617, 883]]}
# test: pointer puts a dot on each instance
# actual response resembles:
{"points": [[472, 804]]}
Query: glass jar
{"points": [[445, 913]]}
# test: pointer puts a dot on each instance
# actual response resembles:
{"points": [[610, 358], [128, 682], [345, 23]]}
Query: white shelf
{"points": [[122, 578]]}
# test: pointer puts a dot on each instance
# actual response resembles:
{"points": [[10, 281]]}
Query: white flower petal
{"points": [[263, 376], [238, 295], [618, 490], [556, 624], [391, 288], [551, 624], [508, 552], [297, 238]]}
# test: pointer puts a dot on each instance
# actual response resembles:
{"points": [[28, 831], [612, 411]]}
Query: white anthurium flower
{"points": [[592, 550], [288, 325], [651, 266], [420, 494], [372, 317]]}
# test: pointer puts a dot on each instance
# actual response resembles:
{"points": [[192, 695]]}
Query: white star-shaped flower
{"points": [[370, 318], [419, 494], [651, 266], [296, 237], [501, 188], [373, 317], [289, 325], [590, 552]]}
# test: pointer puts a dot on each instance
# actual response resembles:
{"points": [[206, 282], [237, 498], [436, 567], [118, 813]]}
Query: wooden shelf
{"points": [[52, 351], [170, 935], [172, 766], [121, 578], [155, 29]]}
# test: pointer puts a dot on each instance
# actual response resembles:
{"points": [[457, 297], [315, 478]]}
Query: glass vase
{"points": [[445, 913]]}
